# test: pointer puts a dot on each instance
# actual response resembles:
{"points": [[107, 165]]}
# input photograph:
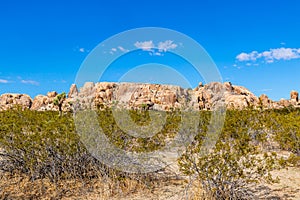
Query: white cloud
{"points": [[82, 50], [31, 82], [161, 46], [248, 56], [166, 45], [122, 49], [3, 81], [285, 53], [145, 46], [156, 53], [243, 57], [271, 55], [113, 50], [265, 90]]}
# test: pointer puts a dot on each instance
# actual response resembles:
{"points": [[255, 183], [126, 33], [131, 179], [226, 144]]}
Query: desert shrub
{"points": [[43, 144], [128, 142], [285, 126], [227, 170], [58, 101]]}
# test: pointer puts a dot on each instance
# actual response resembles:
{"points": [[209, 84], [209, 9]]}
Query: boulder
{"points": [[8, 101], [284, 103], [210, 96], [73, 92], [237, 102], [43, 103], [228, 86], [294, 96], [265, 102]]}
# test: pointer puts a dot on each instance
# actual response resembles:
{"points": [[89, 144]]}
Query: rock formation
{"points": [[150, 96], [73, 91], [43, 103], [294, 97], [7, 101]]}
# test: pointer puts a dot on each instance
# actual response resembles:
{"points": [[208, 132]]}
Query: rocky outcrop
{"points": [[240, 98], [130, 96], [8, 101], [294, 97], [216, 94], [284, 103], [210, 96], [43, 103], [150, 96], [73, 91]]}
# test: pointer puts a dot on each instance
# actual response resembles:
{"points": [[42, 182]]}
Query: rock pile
{"points": [[7, 101], [150, 96]]}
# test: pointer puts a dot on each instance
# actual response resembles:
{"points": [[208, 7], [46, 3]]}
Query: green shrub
{"points": [[42, 144], [46, 145], [236, 161]]}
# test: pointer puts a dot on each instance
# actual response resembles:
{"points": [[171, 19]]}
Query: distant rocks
{"points": [[7, 101], [73, 91], [43, 103], [294, 96], [150, 96]]}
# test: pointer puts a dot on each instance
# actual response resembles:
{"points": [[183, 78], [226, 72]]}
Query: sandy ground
{"points": [[288, 188], [181, 189], [289, 185]]}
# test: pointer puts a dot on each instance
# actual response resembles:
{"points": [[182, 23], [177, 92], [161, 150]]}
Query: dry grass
{"points": [[173, 188], [19, 186]]}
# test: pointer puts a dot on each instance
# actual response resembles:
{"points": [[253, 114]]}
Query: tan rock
{"points": [[51, 94], [228, 86], [237, 102], [294, 96], [265, 101], [151, 96], [284, 103], [73, 92], [42, 103], [8, 101]]}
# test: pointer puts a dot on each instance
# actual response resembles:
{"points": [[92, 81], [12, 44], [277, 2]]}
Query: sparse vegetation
{"points": [[58, 101], [241, 155], [43, 148]]}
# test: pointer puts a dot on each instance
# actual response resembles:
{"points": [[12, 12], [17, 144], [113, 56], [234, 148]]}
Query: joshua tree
{"points": [[58, 101]]}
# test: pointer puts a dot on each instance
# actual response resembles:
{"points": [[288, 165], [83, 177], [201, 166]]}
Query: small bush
{"points": [[42, 144], [236, 161]]}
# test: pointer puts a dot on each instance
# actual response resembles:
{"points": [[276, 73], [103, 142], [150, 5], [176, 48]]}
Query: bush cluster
{"points": [[241, 155], [45, 145]]}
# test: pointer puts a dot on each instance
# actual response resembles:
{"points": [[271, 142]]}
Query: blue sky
{"points": [[253, 43]]}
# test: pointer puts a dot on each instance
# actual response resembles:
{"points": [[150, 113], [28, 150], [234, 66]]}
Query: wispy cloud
{"points": [[4, 81], [145, 46], [122, 49], [116, 49], [156, 50], [61, 81], [166, 45], [31, 82], [271, 55], [263, 90], [82, 50]]}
